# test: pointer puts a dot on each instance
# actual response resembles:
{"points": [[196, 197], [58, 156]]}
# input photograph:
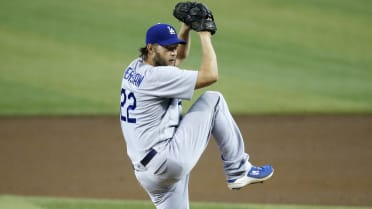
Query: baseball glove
{"points": [[196, 15]]}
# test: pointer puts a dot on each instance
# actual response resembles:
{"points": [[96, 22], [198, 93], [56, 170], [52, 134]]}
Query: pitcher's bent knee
{"points": [[207, 101], [212, 95]]}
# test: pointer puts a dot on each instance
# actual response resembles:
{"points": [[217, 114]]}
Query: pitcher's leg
{"points": [[237, 168], [210, 114], [230, 141], [193, 133]]}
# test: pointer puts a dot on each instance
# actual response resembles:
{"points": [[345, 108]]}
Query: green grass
{"points": [[290, 56], [19, 202]]}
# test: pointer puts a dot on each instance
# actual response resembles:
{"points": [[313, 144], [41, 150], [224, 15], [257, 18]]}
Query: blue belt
{"points": [[148, 157]]}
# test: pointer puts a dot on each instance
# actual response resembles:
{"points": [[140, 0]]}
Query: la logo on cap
{"points": [[171, 30], [162, 34]]}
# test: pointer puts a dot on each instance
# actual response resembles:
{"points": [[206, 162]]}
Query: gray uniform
{"points": [[164, 146]]}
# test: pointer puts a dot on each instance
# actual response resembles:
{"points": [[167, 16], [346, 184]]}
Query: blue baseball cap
{"points": [[162, 34]]}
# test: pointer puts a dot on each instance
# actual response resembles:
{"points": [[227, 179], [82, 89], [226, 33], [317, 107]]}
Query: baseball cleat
{"points": [[254, 175]]}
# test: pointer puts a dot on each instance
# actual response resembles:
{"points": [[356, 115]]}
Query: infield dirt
{"points": [[317, 159]]}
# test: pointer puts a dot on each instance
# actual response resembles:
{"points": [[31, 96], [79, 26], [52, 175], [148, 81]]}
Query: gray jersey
{"points": [[151, 104]]}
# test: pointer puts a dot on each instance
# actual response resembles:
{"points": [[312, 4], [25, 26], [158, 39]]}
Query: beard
{"points": [[159, 61]]}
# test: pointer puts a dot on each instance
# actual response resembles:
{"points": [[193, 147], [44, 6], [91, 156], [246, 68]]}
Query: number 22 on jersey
{"points": [[127, 105]]}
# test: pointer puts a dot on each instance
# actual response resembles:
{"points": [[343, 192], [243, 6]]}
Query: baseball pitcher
{"points": [[163, 145]]}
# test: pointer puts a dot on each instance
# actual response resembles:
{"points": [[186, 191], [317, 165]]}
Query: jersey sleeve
{"points": [[170, 82]]}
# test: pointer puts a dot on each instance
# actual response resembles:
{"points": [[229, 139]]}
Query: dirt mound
{"points": [[317, 160]]}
